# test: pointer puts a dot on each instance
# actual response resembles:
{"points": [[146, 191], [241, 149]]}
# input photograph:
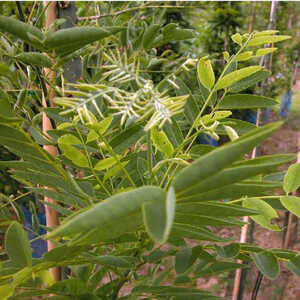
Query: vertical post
{"points": [[51, 214], [261, 117], [253, 14]]}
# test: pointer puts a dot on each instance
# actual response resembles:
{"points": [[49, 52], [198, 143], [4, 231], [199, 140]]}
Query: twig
{"points": [[115, 14], [257, 285]]}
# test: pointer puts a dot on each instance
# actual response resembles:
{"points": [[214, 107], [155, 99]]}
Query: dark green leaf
{"points": [[111, 217], [267, 264], [218, 267], [294, 265], [18, 246], [127, 138], [35, 58], [245, 101]]}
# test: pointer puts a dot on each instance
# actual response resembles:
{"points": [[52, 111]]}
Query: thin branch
{"points": [[131, 9]]}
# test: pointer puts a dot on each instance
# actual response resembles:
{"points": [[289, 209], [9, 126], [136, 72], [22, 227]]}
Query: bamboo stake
{"points": [[260, 117], [52, 219]]}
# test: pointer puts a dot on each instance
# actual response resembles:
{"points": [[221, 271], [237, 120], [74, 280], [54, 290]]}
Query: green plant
{"points": [[133, 139]]}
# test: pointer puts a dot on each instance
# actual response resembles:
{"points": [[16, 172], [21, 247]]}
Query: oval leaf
{"points": [[205, 73], [267, 264], [159, 216], [161, 142], [249, 81], [106, 163], [235, 76], [265, 51], [17, 245], [267, 39], [294, 265], [245, 101], [267, 213], [149, 35], [292, 204], [292, 178]]}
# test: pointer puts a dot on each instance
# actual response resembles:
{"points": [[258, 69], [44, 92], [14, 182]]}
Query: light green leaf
{"points": [[244, 56], [267, 39], [267, 264], [46, 277], [216, 116], [235, 76], [237, 38], [245, 101], [64, 125], [6, 291], [292, 178], [69, 139], [292, 204], [102, 126], [17, 245], [161, 142], [115, 170], [226, 55], [106, 163], [159, 216], [249, 81], [266, 32], [231, 133], [205, 73], [74, 155], [267, 213], [92, 136], [265, 51]]}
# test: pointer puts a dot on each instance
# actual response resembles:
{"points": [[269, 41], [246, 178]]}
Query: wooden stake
{"points": [[260, 118], [52, 219]]}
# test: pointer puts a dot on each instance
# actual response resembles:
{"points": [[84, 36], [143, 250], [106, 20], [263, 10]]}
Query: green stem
{"points": [[262, 197], [90, 163], [114, 155], [149, 155]]}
